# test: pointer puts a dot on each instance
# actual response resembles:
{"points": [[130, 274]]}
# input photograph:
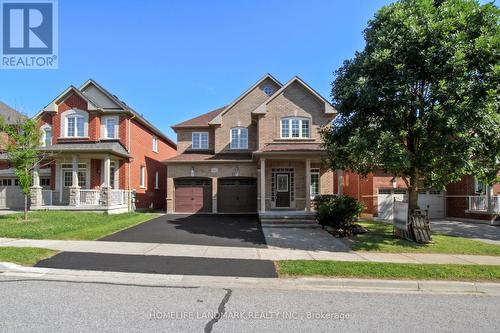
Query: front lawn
{"points": [[27, 256], [68, 225], [380, 239], [287, 268]]}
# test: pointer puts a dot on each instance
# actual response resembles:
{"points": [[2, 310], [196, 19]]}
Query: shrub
{"points": [[338, 212]]}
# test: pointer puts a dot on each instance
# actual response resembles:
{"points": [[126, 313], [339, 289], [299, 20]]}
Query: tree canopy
{"points": [[421, 101]]}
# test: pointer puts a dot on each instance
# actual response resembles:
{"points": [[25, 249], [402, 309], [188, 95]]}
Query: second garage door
{"points": [[237, 195], [193, 195]]}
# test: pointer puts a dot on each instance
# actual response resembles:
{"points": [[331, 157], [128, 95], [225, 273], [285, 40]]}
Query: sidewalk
{"points": [[9, 271], [271, 253]]}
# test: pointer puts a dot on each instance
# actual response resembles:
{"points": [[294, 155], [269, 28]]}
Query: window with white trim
{"points": [[200, 140], [479, 186], [295, 128], [75, 124], [314, 183], [156, 179], [239, 138], [46, 139], [142, 177], [155, 143], [110, 127]]}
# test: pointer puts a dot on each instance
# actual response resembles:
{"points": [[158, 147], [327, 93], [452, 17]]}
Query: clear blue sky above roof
{"points": [[173, 60]]}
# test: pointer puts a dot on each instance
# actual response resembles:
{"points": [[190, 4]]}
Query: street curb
{"points": [[300, 283]]}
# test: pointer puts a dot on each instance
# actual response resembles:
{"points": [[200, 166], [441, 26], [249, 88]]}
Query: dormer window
{"points": [[295, 128], [75, 124], [239, 138], [199, 140]]}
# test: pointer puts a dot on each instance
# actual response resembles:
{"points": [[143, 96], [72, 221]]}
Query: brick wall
{"points": [[95, 173], [294, 101], [143, 155], [240, 116]]}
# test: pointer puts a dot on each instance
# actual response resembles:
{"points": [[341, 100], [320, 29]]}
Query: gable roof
{"points": [[10, 115], [262, 109], [200, 121], [218, 119], [93, 105], [51, 107]]}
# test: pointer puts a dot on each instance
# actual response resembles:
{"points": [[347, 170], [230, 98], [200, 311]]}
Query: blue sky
{"points": [[173, 60]]}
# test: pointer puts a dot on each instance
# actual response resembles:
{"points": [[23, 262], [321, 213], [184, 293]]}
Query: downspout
{"points": [[129, 201]]}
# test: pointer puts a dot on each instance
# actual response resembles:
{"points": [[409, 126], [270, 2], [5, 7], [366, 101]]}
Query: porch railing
{"points": [[89, 197], [480, 203], [118, 197], [47, 197]]}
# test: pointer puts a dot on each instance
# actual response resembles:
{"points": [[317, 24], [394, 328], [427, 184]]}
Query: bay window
{"points": [[295, 128], [239, 138]]}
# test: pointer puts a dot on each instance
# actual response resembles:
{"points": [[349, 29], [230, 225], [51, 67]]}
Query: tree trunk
{"points": [[25, 207], [413, 192]]}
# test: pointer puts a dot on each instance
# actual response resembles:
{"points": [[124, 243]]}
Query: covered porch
{"points": [[288, 181], [83, 182]]}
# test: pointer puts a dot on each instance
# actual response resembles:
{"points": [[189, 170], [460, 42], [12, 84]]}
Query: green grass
{"points": [[287, 268], [27, 256], [380, 239], [68, 225]]}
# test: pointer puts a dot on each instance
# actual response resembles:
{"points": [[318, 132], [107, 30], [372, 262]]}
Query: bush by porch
{"points": [[68, 225]]}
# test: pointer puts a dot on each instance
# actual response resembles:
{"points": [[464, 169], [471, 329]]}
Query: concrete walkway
{"points": [[271, 253]]}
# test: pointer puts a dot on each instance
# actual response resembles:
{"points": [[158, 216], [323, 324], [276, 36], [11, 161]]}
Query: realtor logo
{"points": [[28, 34]]}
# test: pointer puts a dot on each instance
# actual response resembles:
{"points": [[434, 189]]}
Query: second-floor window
{"points": [[110, 127], [155, 144], [75, 126], [295, 128], [46, 136], [200, 140], [239, 138]]}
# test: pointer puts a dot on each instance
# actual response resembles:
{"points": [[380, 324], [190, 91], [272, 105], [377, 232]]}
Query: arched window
{"points": [[74, 124], [239, 138], [46, 139]]}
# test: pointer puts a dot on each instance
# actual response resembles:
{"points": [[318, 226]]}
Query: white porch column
{"points": [[74, 190], [308, 185], [340, 182], [36, 176], [489, 198], [74, 171], [107, 170], [262, 184]]}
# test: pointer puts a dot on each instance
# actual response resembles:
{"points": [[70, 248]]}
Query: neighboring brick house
{"points": [[101, 150], [11, 195], [262, 152], [466, 199]]}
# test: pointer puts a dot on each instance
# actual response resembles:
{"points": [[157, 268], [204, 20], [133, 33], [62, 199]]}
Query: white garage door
{"points": [[11, 196], [431, 200]]}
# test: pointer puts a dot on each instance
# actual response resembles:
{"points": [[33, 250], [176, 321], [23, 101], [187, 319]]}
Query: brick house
{"points": [[100, 150], [467, 199], [11, 195], [262, 152]]}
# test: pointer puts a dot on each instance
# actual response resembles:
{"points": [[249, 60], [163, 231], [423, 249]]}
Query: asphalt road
{"points": [[51, 306]]}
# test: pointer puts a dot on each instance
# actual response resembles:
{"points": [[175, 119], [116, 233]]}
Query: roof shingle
{"points": [[200, 121]]}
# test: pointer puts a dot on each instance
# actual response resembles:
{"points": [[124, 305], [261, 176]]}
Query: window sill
{"points": [[109, 139], [73, 137], [295, 139]]}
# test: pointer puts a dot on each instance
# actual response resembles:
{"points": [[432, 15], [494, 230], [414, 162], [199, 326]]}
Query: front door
{"points": [[282, 190]]}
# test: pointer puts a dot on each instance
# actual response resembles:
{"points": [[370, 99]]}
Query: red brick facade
{"points": [[139, 146]]}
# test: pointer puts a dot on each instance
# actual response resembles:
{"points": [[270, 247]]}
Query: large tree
{"points": [[22, 142], [421, 101]]}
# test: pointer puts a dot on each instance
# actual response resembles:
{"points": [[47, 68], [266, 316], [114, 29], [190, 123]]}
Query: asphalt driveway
{"points": [[211, 230]]}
